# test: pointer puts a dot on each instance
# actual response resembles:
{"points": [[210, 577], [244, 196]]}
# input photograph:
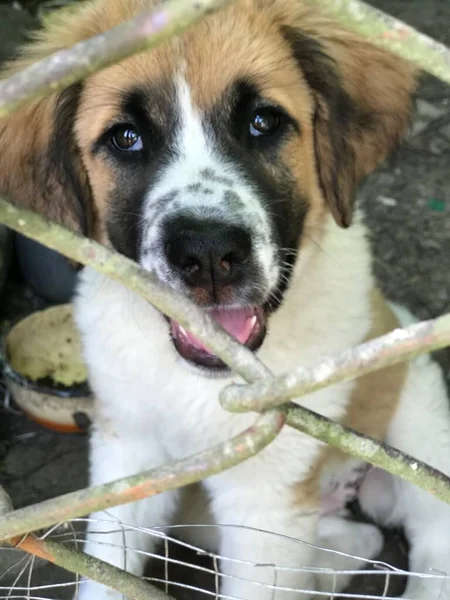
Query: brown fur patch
{"points": [[28, 174], [241, 41], [371, 407]]}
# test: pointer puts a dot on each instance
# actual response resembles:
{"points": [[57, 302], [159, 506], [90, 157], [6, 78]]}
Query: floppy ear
{"points": [[40, 165], [362, 100]]}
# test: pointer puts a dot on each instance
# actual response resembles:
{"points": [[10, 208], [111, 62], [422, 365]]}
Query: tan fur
{"points": [[372, 404], [25, 138], [244, 40]]}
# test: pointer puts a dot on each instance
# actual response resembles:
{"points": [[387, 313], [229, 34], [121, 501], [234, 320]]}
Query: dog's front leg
{"points": [[421, 427], [254, 561], [114, 536]]}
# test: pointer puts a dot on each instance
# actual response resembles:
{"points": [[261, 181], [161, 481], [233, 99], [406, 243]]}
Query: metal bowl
{"points": [[45, 373]]}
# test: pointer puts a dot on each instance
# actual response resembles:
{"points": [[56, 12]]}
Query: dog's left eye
{"points": [[264, 121], [126, 138]]}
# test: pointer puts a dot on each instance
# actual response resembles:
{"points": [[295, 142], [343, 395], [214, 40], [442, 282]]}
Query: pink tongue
{"points": [[238, 322]]}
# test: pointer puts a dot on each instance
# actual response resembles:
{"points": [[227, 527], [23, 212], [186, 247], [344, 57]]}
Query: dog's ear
{"points": [[41, 167], [363, 98]]}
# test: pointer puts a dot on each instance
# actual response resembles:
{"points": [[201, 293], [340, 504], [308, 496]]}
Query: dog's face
{"points": [[209, 159]]}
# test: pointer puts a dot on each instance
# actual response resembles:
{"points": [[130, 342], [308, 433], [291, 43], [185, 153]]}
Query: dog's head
{"points": [[208, 158]]}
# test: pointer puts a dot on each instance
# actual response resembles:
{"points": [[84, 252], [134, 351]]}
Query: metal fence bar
{"points": [[63, 68], [386, 31]]}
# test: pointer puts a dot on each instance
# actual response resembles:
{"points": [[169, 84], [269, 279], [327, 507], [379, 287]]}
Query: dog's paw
{"points": [[371, 541], [340, 486], [89, 590], [351, 543], [361, 540]]}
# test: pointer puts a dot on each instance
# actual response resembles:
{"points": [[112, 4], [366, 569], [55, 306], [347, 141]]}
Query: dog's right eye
{"points": [[126, 138], [264, 122]]}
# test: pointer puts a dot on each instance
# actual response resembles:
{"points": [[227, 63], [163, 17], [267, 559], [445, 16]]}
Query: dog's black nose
{"points": [[207, 254]]}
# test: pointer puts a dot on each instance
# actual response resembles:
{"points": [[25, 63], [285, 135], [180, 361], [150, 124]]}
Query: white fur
{"points": [[152, 409], [194, 152], [421, 427]]}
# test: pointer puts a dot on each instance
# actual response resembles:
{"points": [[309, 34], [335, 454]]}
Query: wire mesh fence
{"points": [[187, 571]]}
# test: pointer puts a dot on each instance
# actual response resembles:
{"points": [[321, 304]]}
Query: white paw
{"points": [[89, 590], [340, 487], [427, 589], [347, 539], [370, 542], [351, 537], [240, 589], [377, 496]]}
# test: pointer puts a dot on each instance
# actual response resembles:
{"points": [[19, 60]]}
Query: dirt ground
{"points": [[407, 206]]}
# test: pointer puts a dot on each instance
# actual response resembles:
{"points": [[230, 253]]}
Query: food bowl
{"points": [[45, 372]]}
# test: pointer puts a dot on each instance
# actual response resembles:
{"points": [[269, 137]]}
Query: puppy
{"points": [[225, 161]]}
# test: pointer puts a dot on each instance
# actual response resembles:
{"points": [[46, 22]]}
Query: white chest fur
{"points": [[143, 386]]}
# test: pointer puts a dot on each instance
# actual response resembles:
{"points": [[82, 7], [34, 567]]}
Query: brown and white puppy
{"points": [[225, 161]]}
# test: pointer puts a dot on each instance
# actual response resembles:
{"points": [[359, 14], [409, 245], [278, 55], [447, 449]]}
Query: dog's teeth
{"points": [[253, 321], [183, 331]]}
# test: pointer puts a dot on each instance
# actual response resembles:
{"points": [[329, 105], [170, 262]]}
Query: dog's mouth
{"points": [[247, 325]]}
